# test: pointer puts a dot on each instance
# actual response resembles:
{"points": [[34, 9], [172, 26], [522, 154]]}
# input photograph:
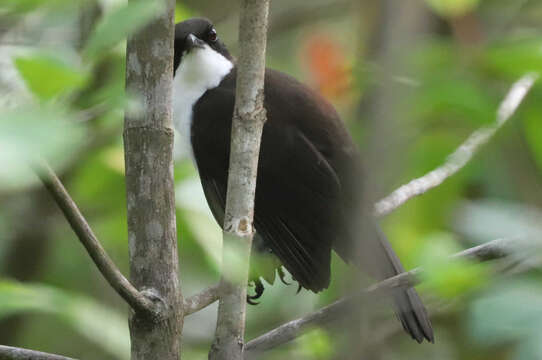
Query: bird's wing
{"points": [[297, 191], [296, 203]]}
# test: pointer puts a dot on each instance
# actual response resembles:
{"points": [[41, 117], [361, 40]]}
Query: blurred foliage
{"points": [[46, 131], [105, 328], [119, 23], [62, 98], [49, 76], [445, 278], [519, 319], [453, 7]]}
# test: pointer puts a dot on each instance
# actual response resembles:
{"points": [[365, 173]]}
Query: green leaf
{"points": [[120, 23], [31, 132], [453, 96], [182, 12], [101, 325], [316, 345], [515, 57], [445, 277], [48, 76], [452, 7], [21, 6]]}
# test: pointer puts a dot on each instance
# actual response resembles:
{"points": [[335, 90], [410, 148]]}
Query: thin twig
{"points": [[13, 353], [463, 154], [289, 331], [201, 300], [82, 229]]}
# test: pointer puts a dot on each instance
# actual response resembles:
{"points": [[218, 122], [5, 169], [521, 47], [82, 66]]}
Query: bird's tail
{"points": [[409, 307], [377, 258]]}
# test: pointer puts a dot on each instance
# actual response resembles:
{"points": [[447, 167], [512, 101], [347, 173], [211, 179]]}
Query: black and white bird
{"points": [[307, 192]]}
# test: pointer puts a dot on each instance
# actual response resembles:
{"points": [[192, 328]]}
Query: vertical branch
{"points": [[148, 146], [248, 120]]}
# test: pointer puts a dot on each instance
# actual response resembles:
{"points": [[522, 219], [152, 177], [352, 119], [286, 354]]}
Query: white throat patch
{"points": [[200, 70]]}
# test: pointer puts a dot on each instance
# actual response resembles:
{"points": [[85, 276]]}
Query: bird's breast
{"points": [[199, 71]]}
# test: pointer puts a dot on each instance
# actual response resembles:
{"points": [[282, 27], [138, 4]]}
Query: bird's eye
{"points": [[212, 35]]}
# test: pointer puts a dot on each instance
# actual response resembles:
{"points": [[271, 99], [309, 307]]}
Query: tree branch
{"points": [[247, 126], [148, 154], [291, 330], [463, 154], [201, 300], [13, 353], [137, 301]]}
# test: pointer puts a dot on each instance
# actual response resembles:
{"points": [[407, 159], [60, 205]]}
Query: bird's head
{"points": [[197, 38]]}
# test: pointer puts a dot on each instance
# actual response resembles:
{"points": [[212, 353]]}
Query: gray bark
{"points": [[248, 120], [12, 353], [201, 300], [148, 146]]}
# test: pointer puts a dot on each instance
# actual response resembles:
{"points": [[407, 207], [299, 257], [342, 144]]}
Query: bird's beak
{"points": [[192, 41]]}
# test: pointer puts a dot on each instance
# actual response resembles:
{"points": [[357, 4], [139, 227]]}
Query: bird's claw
{"points": [[282, 275], [259, 292]]}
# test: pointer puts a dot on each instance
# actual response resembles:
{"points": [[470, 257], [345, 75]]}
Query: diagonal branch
{"points": [[463, 154], [13, 353], [201, 300], [80, 226], [291, 330]]}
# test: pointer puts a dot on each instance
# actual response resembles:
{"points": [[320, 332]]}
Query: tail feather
{"points": [[377, 258], [413, 316], [409, 306]]}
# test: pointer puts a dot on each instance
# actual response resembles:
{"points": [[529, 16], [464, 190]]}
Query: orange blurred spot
{"points": [[328, 67]]}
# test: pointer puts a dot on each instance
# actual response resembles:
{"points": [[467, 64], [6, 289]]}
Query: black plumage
{"points": [[308, 198]]}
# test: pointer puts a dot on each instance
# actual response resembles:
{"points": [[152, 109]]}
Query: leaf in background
{"points": [[491, 219], [31, 132], [510, 312], [449, 278], [19, 6], [120, 23], [515, 57], [181, 12], [455, 96], [452, 7], [48, 76], [316, 345], [99, 324]]}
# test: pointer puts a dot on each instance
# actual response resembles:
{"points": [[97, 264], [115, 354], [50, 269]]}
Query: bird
{"points": [[307, 200]]}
